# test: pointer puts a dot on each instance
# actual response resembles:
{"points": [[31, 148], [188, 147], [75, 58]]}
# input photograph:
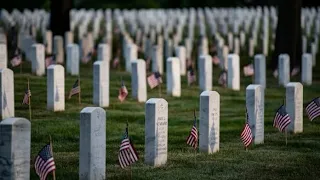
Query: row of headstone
{"points": [[16, 132]]}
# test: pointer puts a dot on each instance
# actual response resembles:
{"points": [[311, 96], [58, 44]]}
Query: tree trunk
{"points": [[60, 20], [288, 33]]}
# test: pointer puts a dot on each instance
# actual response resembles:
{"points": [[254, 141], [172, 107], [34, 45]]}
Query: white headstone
{"points": [[233, 72], [294, 106], [48, 41], [173, 77], [92, 154], [15, 148], [132, 55], [209, 124], [3, 56], [260, 70], [38, 60], [306, 70], [55, 88], [157, 60], [205, 72], [101, 83], [58, 49], [73, 59], [255, 109], [103, 52], [181, 54], [236, 46], [68, 38], [156, 132], [284, 69], [138, 80], [7, 93]]}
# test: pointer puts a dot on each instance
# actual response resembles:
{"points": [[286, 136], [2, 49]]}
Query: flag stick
{"points": [[159, 89], [195, 149], [285, 131], [21, 67], [29, 99], [79, 95], [53, 172]]}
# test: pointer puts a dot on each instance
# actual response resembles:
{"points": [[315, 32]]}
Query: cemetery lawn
{"points": [[300, 159]]}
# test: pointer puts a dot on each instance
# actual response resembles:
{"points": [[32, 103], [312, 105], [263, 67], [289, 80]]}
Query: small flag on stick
{"points": [[313, 109], [223, 78], [281, 119], [123, 92], [26, 97], [75, 89], [191, 76], [246, 134], [127, 153], [17, 59], [87, 57], [51, 59], [44, 163], [248, 70], [154, 80], [192, 139]]}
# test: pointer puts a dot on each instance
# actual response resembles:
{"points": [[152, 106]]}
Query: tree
{"points": [[59, 19], [288, 33]]}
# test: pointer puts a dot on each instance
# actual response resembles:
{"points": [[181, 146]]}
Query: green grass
{"points": [[300, 159]]}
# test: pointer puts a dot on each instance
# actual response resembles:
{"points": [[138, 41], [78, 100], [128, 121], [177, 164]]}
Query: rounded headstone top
{"points": [[103, 45], [172, 59], [71, 45], [6, 70], [209, 93], [253, 86], [283, 56], [156, 100], [259, 56], [100, 62], [55, 66], [91, 109], [15, 121], [294, 84], [233, 56]]}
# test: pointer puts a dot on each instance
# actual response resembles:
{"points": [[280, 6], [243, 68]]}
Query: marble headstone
{"points": [[284, 69], [15, 149], [3, 56], [294, 106], [68, 38], [132, 55], [260, 70], [205, 72], [233, 72], [157, 60], [7, 93], [48, 41], [73, 59], [156, 132], [138, 80], [209, 124], [38, 60], [101, 83], [92, 154], [55, 88], [58, 49], [181, 54], [255, 109], [103, 52], [306, 69], [173, 77]]}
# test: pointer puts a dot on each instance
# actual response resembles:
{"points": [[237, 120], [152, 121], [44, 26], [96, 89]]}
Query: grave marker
{"points": [[55, 88]]}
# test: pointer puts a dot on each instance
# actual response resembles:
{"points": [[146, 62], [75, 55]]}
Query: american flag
{"points": [[50, 60], [223, 78], [215, 60], [26, 98], [281, 119], [115, 62], [248, 70], [275, 73], [246, 134], [44, 163], [154, 80], [192, 139], [191, 75], [313, 109], [75, 89], [16, 60], [123, 92], [295, 71], [87, 57], [127, 153]]}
